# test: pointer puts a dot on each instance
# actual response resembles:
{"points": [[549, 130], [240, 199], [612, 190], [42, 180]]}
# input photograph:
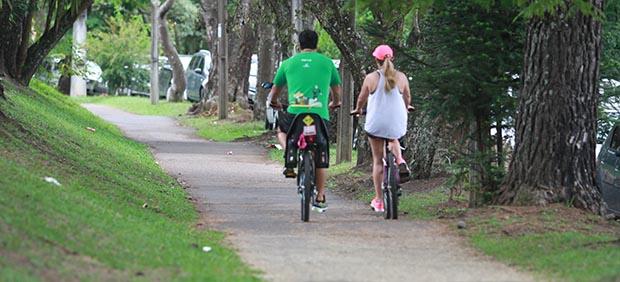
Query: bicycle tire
{"points": [[391, 205], [307, 182]]}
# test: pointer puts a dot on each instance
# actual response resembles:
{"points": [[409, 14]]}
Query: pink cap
{"points": [[382, 52]]}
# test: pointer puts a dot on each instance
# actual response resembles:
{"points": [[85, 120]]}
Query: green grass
{"points": [[565, 256], [207, 127], [94, 226], [138, 105], [213, 129]]}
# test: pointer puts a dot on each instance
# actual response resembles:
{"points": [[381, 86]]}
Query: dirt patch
{"points": [[355, 182], [264, 139]]}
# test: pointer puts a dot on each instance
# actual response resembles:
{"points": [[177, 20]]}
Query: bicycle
{"points": [[303, 142], [390, 185], [302, 147]]}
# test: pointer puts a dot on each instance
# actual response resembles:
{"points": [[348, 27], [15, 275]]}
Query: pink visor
{"points": [[382, 52]]}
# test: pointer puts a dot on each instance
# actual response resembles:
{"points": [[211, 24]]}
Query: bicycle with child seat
{"points": [[390, 185], [302, 146]]}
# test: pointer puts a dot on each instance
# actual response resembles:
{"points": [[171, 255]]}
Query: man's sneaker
{"points": [[319, 206], [377, 205], [289, 173], [404, 173]]}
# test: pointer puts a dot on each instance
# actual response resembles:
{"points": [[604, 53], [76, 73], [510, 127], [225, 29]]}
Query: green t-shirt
{"points": [[308, 76]]}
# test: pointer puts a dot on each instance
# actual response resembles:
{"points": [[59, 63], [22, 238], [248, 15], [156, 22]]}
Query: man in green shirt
{"points": [[309, 77]]}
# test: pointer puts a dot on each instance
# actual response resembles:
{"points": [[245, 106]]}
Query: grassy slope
{"points": [[94, 226]]}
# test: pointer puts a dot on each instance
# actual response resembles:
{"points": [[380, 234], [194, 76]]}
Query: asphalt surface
{"points": [[244, 195]]}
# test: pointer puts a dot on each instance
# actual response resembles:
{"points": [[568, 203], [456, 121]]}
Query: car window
{"points": [[201, 63], [615, 140], [193, 63]]}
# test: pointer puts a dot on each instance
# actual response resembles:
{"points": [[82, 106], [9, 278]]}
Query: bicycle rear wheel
{"points": [[307, 183], [390, 192]]}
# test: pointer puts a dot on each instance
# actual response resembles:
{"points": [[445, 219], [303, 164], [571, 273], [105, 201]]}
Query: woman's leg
{"points": [[376, 145], [395, 148]]}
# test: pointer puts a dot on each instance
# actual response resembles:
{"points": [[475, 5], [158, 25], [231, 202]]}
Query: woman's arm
{"points": [[363, 97], [406, 92]]}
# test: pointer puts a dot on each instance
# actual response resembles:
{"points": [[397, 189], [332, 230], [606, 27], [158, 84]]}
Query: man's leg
{"points": [[321, 178], [281, 138]]}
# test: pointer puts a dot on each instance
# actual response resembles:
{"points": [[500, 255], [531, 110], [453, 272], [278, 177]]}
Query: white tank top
{"points": [[386, 115]]}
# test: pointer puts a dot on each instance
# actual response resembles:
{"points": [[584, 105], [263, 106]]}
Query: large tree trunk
{"points": [[266, 60], [19, 59], [209, 15], [175, 92], [556, 121], [335, 19], [242, 40]]}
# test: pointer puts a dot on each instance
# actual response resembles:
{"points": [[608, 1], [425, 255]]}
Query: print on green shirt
{"points": [[308, 77]]}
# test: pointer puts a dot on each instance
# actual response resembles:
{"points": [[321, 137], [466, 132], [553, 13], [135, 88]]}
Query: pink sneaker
{"points": [[377, 205]]}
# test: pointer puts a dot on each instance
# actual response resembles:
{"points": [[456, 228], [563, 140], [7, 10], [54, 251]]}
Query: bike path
{"points": [[244, 195]]}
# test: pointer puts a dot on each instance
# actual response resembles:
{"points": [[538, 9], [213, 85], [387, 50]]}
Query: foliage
{"points": [[326, 44], [609, 107], [185, 23], [122, 52], [471, 60], [95, 225]]}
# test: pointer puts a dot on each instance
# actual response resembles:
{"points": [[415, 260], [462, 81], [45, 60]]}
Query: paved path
{"points": [[245, 196]]}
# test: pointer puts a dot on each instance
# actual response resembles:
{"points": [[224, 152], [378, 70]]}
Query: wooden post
{"points": [[344, 139], [223, 59], [154, 52]]}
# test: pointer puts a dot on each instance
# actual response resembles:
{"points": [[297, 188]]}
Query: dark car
{"points": [[197, 75], [608, 170]]}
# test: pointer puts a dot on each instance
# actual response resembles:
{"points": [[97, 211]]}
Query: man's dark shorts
{"points": [[285, 119]]}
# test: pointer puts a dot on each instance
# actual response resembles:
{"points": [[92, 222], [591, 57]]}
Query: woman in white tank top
{"points": [[388, 96]]}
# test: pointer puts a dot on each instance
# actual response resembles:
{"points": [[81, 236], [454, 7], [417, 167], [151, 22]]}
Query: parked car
{"points": [[50, 73], [608, 170], [197, 75]]}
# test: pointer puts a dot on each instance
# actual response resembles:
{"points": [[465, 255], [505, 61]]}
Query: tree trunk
{"points": [[19, 59], [209, 15], [266, 62], [421, 141], [556, 121], [335, 19], [154, 89], [242, 39], [175, 92]]}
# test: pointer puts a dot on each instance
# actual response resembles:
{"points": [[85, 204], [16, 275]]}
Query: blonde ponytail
{"points": [[390, 74]]}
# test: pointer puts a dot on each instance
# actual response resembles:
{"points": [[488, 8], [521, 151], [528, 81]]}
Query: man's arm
{"points": [[336, 92], [273, 97]]}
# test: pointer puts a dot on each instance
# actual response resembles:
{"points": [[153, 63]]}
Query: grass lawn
{"points": [[115, 216], [213, 129], [138, 105], [207, 127]]}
